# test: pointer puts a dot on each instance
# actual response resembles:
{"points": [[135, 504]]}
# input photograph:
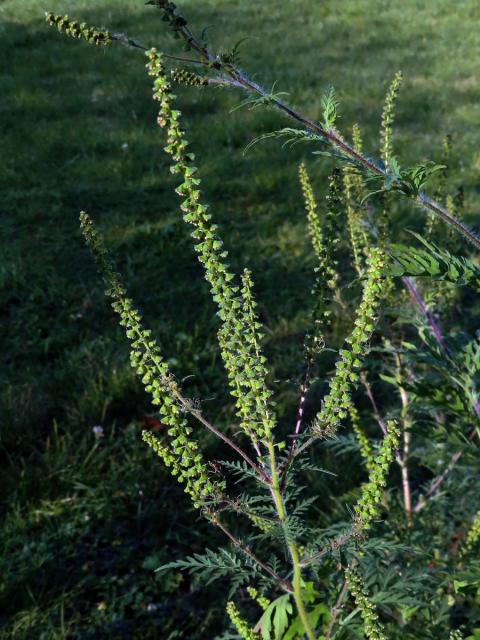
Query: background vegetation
{"points": [[86, 519]]}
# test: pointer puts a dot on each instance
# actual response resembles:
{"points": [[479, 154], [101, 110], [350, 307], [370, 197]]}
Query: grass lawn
{"points": [[85, 520]]}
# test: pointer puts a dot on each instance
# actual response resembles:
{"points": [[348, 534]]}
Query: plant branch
{"points": [[330, 135], [334, 544], [248, 552], [417, 298], [199, 416], [376, 412], [407, 498]]}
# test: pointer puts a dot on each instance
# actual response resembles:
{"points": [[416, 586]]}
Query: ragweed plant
{"points": [[298, 559]]}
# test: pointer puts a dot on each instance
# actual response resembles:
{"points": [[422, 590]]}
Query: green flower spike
{"points": [[337, 402], [326, 276], [388, 117], [182, 76], [363, 441], [240, 624], [367, 508], [75, 29], [239, 335], [179, 452], [372, 626], [359, 242], [263, 602]]}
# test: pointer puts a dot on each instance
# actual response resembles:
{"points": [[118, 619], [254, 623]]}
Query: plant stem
{"points": [[294, 555], [298, 425], [407, 500], [247, 551], [376, 412], [297, 591], [437, 334], [336, 609]]}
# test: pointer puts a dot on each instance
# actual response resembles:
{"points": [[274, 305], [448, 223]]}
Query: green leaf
{"points": [[433, 262], [297, 630], [275, 618], [330, 107]]}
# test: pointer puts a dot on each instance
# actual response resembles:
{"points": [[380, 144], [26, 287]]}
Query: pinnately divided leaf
{"points": [[433, 262], [213, 565]]}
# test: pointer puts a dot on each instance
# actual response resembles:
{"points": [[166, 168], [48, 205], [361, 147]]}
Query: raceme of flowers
{"points": [[337, 402], [79, 30], [371, 624], [180, 452], [239, 335]]}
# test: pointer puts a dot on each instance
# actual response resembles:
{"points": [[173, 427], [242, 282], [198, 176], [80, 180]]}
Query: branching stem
{"points": [[236, 78], [248, 552]]}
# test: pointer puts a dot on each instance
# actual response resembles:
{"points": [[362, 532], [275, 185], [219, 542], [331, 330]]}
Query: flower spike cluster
{"points": [[239, 335], [388, 116], [326, 276], [363, 441], [337, 402], [180, 452], [323, 242], [311, 206], [371, 624], [354, 191], [240, 624], [79, 30], [262, 601], [367, 508], [188, 78]]}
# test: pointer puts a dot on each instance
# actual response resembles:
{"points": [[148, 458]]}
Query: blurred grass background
{"points": [[85, 520]]}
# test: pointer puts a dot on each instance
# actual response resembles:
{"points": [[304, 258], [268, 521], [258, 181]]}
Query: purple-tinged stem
{"points": [[298, 425], [416, 297]]}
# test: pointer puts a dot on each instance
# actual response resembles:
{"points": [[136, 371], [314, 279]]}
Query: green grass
{"points": [[86, 521]]}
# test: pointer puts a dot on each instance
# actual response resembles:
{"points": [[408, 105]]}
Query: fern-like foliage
{"points": [[433, 262], [214, 565], [329, 108]]}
